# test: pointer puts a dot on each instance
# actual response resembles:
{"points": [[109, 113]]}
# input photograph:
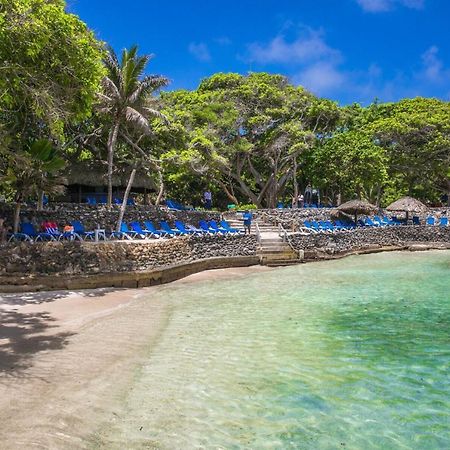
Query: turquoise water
{"points": [[349, 354]]}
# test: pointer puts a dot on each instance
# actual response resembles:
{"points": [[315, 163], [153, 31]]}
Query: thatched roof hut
{"points": [[355, 207], [95, 174], [90, 178], [407, 205]]}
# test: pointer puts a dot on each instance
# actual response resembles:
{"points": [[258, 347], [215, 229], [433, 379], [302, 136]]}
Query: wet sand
{"points": [[67, 359]]}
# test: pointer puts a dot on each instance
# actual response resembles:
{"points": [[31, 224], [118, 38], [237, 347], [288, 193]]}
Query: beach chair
{"points": [[198, 231], [370, 223], [213, 224], [181, 227], [443, 222], [380, 221], [344, 225], [78, 228], [227, 227], [29, 230], [430, 221], [136, 226], [416, 220], [125, 233], [205, 227], [150, 227], [171, 231], [327, 226]]}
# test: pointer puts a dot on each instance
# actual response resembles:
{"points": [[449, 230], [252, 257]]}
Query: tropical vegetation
{"points": [[67, 98]]}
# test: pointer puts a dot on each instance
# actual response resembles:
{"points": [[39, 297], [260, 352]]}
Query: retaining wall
{"points": [[320, 244]]}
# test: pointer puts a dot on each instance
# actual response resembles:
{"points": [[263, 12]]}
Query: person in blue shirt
{"points": [[247, 216]]}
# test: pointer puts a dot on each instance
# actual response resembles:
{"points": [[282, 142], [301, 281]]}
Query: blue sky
{"points": [[346, 50]]}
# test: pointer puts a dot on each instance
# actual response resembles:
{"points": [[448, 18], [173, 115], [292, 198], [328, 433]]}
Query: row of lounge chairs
{"points": [[376, 222], [133, 230]]}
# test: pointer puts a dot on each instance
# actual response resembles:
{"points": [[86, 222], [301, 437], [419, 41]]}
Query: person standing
{"points": [[3, 230], [207, 196], [247, 216], [301, 201], [308, 193]]}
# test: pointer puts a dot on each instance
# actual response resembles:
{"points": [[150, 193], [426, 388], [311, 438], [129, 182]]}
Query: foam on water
{"points": [[352, 353]]}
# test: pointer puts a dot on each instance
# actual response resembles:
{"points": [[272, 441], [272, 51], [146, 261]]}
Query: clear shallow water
{"points": [[350, 354]]}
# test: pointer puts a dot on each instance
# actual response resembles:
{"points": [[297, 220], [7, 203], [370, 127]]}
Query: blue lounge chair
{"points": [[196, 230], [29, 233], [78, 228], [150, 227], [204, 226], [443, 222], [91, 201], [344, 225], [430, 220], [327, 226], [136, 226], [171, 231], [125, 233], [369, 222], [227, 227], [213, 224], [416, 220], [380, 221], [181, 227]]}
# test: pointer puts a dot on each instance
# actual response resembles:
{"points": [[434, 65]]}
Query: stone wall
{"points": [[91, 215], [289, 217], [363, 238], [69, 258]]}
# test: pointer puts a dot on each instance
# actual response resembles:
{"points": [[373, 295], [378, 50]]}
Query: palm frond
{"points": [[147, 86], [137, 118]]}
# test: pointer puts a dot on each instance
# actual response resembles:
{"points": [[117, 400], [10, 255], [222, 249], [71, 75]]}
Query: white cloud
{"points": [[386, 5], [200, 51], [309, 46], [321, 78], [433, 68]]}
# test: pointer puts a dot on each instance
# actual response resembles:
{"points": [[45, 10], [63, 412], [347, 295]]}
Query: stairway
{"points": [[272, 250]]}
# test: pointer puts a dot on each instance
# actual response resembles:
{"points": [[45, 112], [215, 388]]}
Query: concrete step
{"points": [[278, 256], [281, 263], [275, 249]]}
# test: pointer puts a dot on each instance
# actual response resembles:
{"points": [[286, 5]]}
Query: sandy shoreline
{"points": [[67, 358]]}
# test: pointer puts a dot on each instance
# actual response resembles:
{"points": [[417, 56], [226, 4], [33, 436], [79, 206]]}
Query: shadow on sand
{"points": [[35, 298], [24, 335]]}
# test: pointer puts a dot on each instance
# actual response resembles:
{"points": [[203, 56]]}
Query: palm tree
{"points": [[32, 172], [127, 98]]}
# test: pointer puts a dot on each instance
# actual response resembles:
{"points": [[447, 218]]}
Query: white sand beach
{"points": [[68, 358]]}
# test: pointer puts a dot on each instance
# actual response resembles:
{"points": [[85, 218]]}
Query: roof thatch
{"points": [[357, 207], [95, 174], [407, 204]]}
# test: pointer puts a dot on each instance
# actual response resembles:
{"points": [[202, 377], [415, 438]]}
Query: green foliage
{"points": [[51, 66]]}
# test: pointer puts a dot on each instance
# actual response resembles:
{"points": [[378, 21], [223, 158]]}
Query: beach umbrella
{"points": [[355, 207], [407, 205]]}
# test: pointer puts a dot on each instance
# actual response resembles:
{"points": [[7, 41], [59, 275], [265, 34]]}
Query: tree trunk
{"points": [[17, 215], [40, 201], [125, 200], [112, 139], [230, 196], [161, 187], [294, 180]]}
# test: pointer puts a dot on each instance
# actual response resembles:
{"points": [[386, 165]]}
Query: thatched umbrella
{"points": [[407, 205], [356, 207]]}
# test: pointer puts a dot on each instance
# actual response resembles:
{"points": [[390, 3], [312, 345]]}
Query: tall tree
{"points": [[127, 98], [35, 171]]}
